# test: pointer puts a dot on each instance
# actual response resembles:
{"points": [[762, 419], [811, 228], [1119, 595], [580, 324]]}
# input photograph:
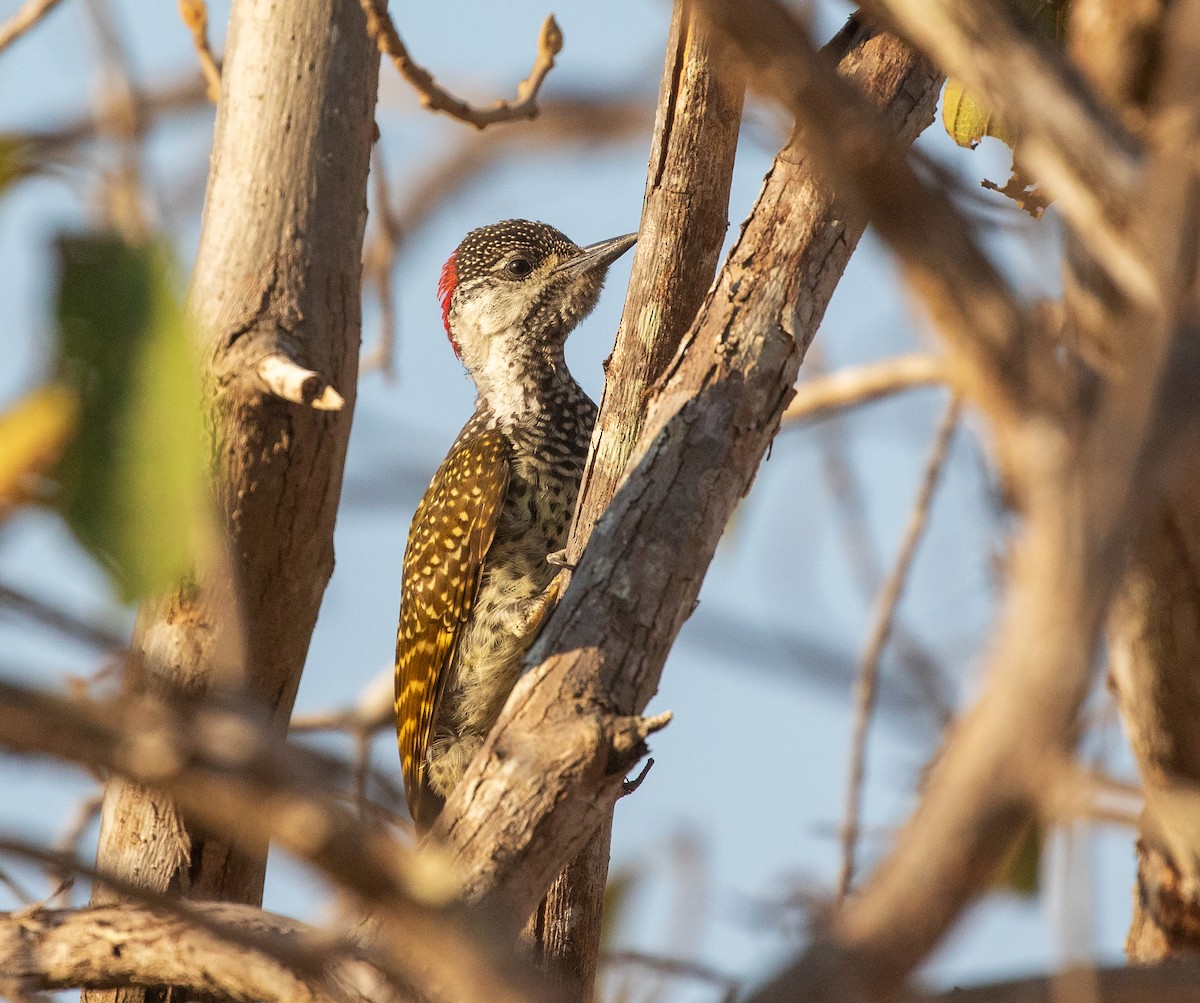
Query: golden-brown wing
{"points": [[451, 532]]}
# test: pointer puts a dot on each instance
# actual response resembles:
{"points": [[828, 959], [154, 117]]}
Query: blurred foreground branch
{"points": [[29, 14], [824, 396]]}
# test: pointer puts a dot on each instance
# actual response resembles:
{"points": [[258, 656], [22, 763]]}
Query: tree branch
{"points": [[822, 397], [549, 762], [436, 98], [684, 219], [277, 273], [30, 13], [881, 628], [1068, 140], [195, 17], [993, 351], [108, 947], [233, 777]]}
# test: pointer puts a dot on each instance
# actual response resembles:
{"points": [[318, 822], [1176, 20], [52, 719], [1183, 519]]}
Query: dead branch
{"points": [[851, 514], [195, 16], [548, 762], [994, 353], [684, 218], [232, 775], [96, 635], [881, 627], [436, 98], [1070, 142], [136, 945], [27, 17], [288, 380], [821, 397]]}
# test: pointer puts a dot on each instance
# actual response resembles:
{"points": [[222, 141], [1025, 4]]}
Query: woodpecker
{"points": [[477, 582]]}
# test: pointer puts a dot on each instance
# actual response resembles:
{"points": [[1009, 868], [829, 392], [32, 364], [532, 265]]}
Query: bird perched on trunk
{"points": [[476, 580]]}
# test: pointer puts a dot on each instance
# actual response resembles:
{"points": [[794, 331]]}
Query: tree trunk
{"points": [[554, 763], [1154, 624], [277, 278], [684, 219]]}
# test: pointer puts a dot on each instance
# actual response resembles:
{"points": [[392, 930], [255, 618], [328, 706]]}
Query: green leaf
{"points": [[133, 478], [1019, 871]]}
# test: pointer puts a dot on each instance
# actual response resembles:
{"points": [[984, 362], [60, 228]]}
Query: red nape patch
{"points": [[446, 284]]}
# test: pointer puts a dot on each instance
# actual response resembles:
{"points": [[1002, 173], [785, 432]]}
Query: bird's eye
{"points": [[520, 267]]}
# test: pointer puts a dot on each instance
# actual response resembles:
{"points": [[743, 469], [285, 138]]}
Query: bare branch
{"points": [[195, 16], [291, 381], [235, 777], [1068, 140], [677, 968], [27, 17], [881, 628], [991, 349], [716, 409], [52, 616], [135, 945], [853, 524], [436, 98], [822, 397]]}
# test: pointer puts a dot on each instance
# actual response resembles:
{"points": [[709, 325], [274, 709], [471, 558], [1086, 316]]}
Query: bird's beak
{"points": [[597, 257]]}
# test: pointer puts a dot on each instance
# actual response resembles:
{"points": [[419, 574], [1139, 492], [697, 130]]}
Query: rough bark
{"points": [[1154, 649], [236, 777], [277, 275], [1154, 625], [1091, 460], [220, 950], [684, 219], [555, 763]]}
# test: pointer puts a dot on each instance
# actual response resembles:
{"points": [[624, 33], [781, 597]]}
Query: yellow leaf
{"points": [[33, 433], [968, 120]]}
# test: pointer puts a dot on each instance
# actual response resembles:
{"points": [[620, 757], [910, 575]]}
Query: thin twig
{"points": [[195, 16], [24, 19], [60, 620], [853, 524], [436, 98], [379, 262], [885, 611], [68, 845], [677, 968], [19, 890], [118, 107], [821, 398]]}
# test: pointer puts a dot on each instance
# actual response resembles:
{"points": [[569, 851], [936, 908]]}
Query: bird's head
{"points": [[516, 289]]}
